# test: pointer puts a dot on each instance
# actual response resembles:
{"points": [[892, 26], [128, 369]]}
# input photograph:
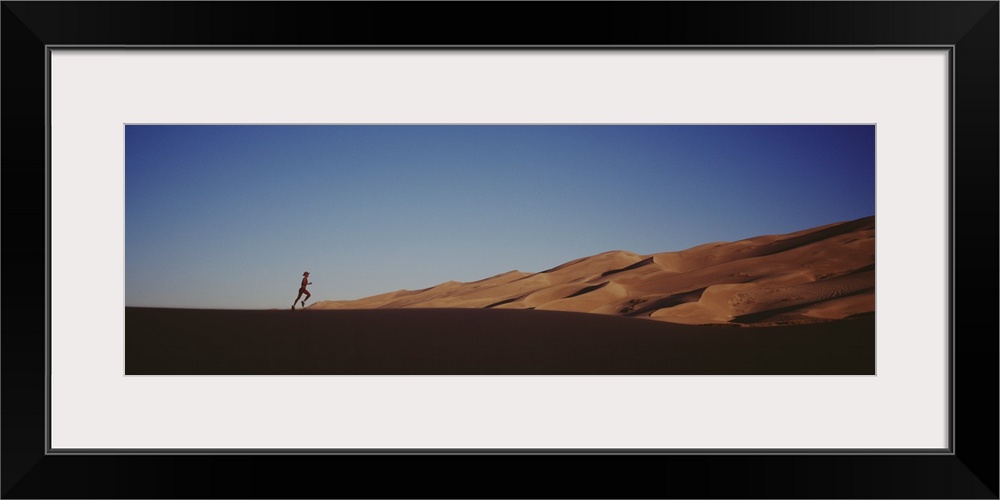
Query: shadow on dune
{"points": [[479, 342]]}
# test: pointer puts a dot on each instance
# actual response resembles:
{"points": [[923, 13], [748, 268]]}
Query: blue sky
{"points": [[230, 216]]}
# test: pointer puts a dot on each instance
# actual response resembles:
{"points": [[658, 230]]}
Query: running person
{"points": [[302, 290]]}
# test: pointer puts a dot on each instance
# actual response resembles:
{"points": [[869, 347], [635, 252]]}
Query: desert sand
{"points": [[794, 304], [819, 274], [430, 341]]}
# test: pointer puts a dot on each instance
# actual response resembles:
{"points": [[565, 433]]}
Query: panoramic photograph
{"points": [[500, 250]]}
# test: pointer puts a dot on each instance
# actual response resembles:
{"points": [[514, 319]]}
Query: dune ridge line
{"points": [[813, 275]]}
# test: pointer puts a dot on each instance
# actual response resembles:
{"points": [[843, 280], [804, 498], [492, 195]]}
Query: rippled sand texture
{"points": [[815, 275]]}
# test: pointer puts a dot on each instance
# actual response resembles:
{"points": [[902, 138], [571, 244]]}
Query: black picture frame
{"points": [[969, 28]]}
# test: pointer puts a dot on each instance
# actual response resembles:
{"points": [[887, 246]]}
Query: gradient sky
{"points": [[231, 216]]}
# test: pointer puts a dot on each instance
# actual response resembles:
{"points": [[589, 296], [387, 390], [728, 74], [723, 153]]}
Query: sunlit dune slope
{"points": [[818, 274]]}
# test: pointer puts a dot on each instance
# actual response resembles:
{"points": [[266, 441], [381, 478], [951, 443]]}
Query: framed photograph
{"points": [[732, 250], [372, 209]]}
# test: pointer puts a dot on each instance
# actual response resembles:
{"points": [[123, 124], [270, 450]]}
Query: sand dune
{"points": [[426, 341], [814, 275]]}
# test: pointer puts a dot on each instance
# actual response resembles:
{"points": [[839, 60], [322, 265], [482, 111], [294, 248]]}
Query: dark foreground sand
{"points": [[480, 342]]}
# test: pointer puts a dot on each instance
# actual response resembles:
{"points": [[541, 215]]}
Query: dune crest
{"points": [[819, 274]]}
